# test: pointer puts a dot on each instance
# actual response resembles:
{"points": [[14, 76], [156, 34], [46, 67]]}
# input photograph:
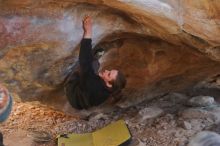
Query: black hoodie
{"points": [[88, 89]]}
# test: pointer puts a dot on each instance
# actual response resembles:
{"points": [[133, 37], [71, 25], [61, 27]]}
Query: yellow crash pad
{"points": [[114, 134]]}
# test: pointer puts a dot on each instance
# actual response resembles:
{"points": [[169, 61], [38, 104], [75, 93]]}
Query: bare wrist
{"points": [[87, 34]]}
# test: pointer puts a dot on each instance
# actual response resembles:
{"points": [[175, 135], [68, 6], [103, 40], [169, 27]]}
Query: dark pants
{"points": [[74, 94]]}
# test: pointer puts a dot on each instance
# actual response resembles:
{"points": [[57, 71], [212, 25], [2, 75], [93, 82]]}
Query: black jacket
{"points": [[88, 89]]}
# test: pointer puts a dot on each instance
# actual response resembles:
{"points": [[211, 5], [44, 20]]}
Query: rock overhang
{"points": [[165, 45]]}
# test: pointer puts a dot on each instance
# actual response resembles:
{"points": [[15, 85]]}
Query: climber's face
{"points": [[108, 76]]}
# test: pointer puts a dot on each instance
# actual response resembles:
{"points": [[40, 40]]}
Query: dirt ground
{"points": [[163, 121], [29, 118]]}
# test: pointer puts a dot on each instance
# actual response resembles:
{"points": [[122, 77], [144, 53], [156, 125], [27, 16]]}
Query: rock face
{"points": [[201, 101], [205, 138], [161, 46]]}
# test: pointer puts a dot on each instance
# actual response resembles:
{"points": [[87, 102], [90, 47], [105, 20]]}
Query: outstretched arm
{"points": [[85, 55], [87, 27]]}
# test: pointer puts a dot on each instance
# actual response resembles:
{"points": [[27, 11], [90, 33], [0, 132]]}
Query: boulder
{"points": [[201, 101], [205, 138]]}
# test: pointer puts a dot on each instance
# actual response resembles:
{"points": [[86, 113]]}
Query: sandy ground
{"points": [[160, 122], [30, 117]]}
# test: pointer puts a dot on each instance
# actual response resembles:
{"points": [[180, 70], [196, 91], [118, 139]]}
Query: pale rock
{"points": [[141, 143], [196, 113], [150, 112], [98, 117], [210, 114], [201, 101], [205, 138], [197, 124], [187, 125], [216, 112]]}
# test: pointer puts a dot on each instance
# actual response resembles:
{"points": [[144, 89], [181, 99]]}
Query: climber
{"points": [[5, 107], [86, 87]]}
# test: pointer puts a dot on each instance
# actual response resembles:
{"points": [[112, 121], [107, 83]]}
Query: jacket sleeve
{"points": [[85, 56]]}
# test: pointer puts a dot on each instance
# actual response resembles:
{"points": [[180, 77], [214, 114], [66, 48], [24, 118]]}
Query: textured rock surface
{"points": [[160, 45], [201, 101], [205, 138], [150, 112], [167, 129]]}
